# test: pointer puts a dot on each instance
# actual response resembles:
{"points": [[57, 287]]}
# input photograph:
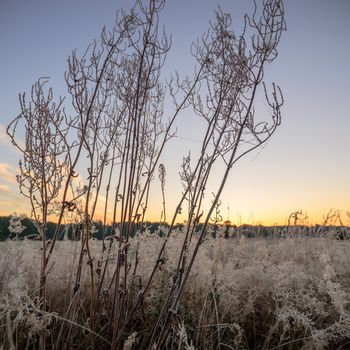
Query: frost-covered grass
{"points": [[290, 293]]}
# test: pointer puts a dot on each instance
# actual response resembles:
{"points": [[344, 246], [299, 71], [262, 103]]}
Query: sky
{"points": [[305, 165]]}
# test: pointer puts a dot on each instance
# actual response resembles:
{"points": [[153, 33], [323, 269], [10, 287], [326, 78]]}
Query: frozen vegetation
{"points": [[273, 293], [99, 148]]}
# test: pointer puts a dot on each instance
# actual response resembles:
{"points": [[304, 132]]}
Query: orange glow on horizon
{"points": [[317, 217]]}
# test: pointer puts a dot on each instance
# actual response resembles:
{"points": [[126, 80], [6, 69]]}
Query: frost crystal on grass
{"points": [[129, 343]]}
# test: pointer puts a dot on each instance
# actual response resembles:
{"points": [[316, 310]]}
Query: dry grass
{"points": [[290, 293]]}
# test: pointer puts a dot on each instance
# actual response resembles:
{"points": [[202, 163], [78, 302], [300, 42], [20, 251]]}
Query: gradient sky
{"points": [[304, 166]]}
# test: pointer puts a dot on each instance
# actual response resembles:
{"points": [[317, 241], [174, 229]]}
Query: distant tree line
{"points": [[226, 230], [69, 231]]}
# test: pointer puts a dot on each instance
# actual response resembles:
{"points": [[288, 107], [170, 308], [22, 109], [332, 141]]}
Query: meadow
{"points": [[96, 154], [242, 293]]}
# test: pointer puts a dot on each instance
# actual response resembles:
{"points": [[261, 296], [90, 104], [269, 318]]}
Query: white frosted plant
{"points": [[183, 339], [16, 227], [21, 311], [129, 343], [333, 287]]}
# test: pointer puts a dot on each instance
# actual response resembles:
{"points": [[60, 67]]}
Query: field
{"points": [[96, 154], [243, 293], [126, 173]]}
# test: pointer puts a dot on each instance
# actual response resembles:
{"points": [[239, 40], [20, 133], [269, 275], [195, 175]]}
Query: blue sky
{"points": [[305, 165]]}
